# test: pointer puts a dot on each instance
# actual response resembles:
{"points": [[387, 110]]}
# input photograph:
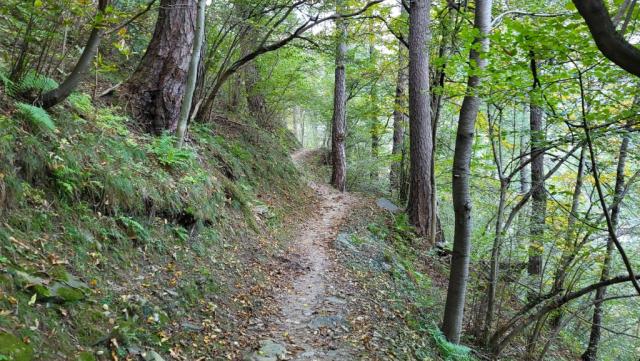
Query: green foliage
{"points": [[36, 115], [448, 350], [168, 154], [81, 103], [33, 82]]}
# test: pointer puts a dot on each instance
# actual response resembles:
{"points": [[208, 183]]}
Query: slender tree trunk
{"points": [[596, 325], [497, 241], [524, 167], [456, 292], [399, 120], [192, 76], [420, 206], [375, 129], [60, 93], [568, 249], [538, 193], [339, 123], [156, 88]]}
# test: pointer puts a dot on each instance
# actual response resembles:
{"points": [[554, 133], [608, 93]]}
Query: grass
{"points": [[159, 234]]}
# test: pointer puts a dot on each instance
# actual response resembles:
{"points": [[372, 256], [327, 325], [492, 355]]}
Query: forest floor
{"points": [[312, 306]]}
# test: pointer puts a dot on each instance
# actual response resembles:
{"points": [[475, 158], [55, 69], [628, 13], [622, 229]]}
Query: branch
{"points": [[610, 42], [520, 13]]}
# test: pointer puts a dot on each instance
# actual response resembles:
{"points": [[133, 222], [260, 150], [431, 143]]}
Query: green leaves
{"points": [[36, 116]]}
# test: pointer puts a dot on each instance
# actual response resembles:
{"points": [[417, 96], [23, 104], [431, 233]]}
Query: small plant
{"points": [[81, 103], [134, 229], [448, 350], [36, 115], [33, 82], [167, 154]]}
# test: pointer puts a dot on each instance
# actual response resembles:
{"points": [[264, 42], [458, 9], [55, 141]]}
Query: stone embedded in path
{"points": [[327, 321], [269, 351]]}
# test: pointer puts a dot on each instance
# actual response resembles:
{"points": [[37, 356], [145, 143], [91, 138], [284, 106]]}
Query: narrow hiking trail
{"points": [[313, 310]]}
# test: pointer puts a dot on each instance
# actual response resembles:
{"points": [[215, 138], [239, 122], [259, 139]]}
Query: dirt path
{"points": [[313, 314]]}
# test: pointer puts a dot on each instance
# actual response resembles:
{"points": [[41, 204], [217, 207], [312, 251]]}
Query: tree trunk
{"points": [[399, 120], [594, 337], [339, 123], [59, 94], [456, 292], [375, 129], [568, 249], [420, 205], [538, 193], [192, 76], [156, 88]]}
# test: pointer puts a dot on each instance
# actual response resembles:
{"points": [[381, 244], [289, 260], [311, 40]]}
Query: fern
{"points": [[81, 102], [448, 350], [36, 116], [167, 154], [6, 82], [34, 82]]}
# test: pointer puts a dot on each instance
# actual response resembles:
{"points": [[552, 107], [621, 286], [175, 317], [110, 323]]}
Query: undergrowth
{"points": [[150, 234]]}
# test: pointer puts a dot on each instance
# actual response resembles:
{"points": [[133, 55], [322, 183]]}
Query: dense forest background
{"points": [[145, 177]]}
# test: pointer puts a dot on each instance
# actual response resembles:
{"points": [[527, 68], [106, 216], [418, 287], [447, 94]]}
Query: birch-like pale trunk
{"points": [[192, 76], [459, 274]]}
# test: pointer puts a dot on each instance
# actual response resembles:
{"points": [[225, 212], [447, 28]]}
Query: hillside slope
{"points": [[116, 243]]}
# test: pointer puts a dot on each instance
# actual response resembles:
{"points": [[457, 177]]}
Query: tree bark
{"points": [[456, 292], [538, 193], [590, 354], [61, 93], [420, 205], [399, 120], [156, 88], [339, 121], [375, 129], [192, 76]]}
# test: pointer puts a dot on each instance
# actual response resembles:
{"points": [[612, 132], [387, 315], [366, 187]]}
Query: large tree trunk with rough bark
{"points": [[420, 205], [156, 88], [456, 292], [590, 354], [339, 122]]}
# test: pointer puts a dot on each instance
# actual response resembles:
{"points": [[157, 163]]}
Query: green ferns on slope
{"points": [[151, 235]]}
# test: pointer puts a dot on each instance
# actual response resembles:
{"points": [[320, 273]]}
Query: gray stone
{"points": [[152, 356], [269, 351], [343, 241], [388, 205], [336, 300], [332, 322]]}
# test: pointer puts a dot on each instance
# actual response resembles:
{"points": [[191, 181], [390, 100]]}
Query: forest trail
{"points": [[313, 312]]}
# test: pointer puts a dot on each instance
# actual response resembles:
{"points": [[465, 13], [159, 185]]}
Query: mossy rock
{"points": [[13, 349], [65, 288]]}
